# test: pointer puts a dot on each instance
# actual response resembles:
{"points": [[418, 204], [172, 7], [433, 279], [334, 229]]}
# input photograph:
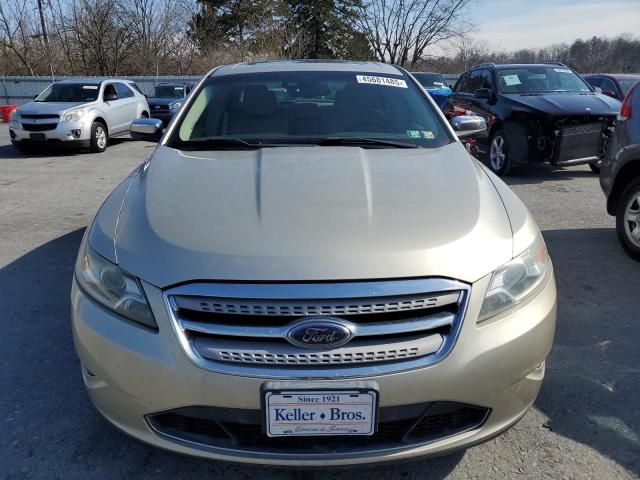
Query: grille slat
{"points": [[39, 127], [352, 353]]}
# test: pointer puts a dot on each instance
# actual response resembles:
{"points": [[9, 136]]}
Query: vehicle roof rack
{"points": [[484, 65]]}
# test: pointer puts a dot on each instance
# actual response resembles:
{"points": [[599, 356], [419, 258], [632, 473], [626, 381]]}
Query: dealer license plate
{"points": [[315, 413], [37, 137]]}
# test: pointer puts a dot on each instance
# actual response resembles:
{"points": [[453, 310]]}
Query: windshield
{"points": [[70, 92], [540, 79], [626, 85], [310, 108], [430, 80], [167, 91]]}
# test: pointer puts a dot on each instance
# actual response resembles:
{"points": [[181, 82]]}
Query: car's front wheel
{"points": [[628, 219], [500, 157], [99, 137]]}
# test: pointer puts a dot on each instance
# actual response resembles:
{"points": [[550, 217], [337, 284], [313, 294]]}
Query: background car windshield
{"points": [[626, 85], [167, 91], [70, 92], [540, 79], [430, 80], [302, 107]]}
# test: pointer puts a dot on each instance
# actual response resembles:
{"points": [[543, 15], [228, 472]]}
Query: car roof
{"points": [[617, 76], [93, 80], [174, 84], [506, 66], [428, 73], [305, 66]]}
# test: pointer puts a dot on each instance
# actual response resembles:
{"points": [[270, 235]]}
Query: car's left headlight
{"points": [[175, 106], [112, 287], [514, 282], [73, 115]]}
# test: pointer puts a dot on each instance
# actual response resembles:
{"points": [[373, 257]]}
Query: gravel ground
{"points": [[585, 424]]}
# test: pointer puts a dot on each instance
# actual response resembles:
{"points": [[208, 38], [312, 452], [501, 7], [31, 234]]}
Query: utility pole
{"points": [[43, 22], [45, 33]]}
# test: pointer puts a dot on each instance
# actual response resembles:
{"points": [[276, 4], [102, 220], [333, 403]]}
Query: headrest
{"points": [[258, 100]]}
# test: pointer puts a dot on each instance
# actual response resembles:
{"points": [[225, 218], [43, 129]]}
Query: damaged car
{"points": [[536, 114]]}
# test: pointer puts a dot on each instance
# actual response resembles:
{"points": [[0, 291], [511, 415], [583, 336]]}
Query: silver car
{"points": [[310, 269], [81, 113]]}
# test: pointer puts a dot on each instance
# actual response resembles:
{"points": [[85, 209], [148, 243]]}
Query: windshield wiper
{"points": [[353, 141]]}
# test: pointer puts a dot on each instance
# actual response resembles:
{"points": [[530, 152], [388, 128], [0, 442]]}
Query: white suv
{"points": [[84, 113]]}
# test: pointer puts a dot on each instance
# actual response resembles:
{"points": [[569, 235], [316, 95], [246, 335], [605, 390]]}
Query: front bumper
{"points": [[165, 116], [66, 133], [131, 372]]}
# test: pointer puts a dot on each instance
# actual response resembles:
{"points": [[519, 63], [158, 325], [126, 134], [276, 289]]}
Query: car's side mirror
{"points": [[110, 97], [148, 129], [468, 125], [609, 93], [482, 93]]}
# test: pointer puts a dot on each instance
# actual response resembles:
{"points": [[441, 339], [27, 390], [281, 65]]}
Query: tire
{"points": [[144, 115], [99, 137], [595, 167], [512, 142], [628, 219]]}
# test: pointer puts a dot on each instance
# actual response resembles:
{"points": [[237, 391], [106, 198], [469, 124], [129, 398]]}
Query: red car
{"points": [[614, 85]]}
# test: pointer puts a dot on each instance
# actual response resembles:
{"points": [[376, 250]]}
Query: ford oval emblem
{"points": [[320, 332]]}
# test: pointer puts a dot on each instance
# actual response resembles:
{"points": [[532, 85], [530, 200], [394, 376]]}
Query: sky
{"points": [[514, 24]]}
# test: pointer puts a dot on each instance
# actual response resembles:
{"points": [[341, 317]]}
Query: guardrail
{"points": [[19, 90]]}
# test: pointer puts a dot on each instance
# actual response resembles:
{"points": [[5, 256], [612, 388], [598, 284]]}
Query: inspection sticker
{"points": [[389, 82]]}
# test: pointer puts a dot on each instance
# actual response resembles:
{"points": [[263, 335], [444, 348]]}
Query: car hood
{"points": [[152, 101], [568, 104], [312, 213], [39, 108]]}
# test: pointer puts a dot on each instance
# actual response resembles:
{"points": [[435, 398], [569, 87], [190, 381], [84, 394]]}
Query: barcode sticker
{"points": [[385, 81]]}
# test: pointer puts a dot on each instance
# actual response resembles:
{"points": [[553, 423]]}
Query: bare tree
{"points": [[400, 31], [470, 51], [17, 33], [104, 34]]}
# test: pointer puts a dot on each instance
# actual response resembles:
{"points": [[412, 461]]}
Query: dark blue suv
{"points": [[166, 99], [536, 113]]}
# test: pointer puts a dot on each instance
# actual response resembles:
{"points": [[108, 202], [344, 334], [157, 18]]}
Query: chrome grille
{"points": [[242, 328]]}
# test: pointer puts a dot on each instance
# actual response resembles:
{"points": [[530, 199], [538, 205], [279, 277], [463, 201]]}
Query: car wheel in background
{"points": [[500, 153], [628, 219], [595, 167], [144, 115], [99, 137]]}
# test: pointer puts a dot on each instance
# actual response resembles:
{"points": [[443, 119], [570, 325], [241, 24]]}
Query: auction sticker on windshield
{"points": [[317, 413], [389, 82]]}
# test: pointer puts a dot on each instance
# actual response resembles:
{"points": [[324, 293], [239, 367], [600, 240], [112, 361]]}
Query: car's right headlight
{"points": [[73, 115], [514, 282], [112, 287], [14, 115]]}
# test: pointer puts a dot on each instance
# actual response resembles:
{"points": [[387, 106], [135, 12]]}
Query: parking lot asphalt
{"points": [[585, 423]]}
